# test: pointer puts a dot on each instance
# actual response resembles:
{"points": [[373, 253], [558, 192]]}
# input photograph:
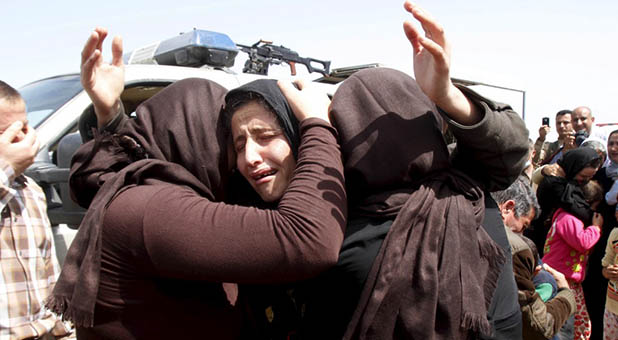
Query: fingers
{"points": [[88, 69], [11, 132], [306, 101], [546, 267], [90, 46], [413, 36], [31, 142], [288, 89], [435, 49], [432, 29], [117, 51], [560, 172], [300, 84], [549, 268], [102, 35]]}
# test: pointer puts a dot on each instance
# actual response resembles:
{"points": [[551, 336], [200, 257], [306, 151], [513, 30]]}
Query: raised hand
{"points": [[305, 100], [103, 82], [543, 131], [432, 59], [18, 152]]}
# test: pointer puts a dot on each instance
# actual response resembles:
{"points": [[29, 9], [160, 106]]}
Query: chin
{"points": [[266, 196]]}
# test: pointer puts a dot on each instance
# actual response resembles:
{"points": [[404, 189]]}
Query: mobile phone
{"points": [[545, 121]]}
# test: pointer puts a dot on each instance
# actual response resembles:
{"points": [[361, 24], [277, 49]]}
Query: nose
{"points": [[253, 155]]}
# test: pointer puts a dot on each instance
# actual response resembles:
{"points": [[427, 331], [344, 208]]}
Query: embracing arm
{"points": [[187, 236]]}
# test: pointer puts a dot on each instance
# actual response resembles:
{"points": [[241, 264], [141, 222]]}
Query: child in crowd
{"points": [[544, 282], [567, 247], [610, 271]]}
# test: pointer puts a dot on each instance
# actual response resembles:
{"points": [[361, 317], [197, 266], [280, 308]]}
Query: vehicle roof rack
{"points": [[340, 74]]}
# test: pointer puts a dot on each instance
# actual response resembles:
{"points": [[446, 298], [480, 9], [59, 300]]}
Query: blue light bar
{"points": [[197, 48]]}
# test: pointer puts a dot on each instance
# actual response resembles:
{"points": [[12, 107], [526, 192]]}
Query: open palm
{"points": [[104, 82]]}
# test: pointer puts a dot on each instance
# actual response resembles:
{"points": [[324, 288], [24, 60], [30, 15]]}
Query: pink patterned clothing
{"points": [[582, 326], [610, 325], [568, 244]]}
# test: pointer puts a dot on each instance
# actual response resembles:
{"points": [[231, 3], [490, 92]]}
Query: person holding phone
{"points": [[550, 152]]}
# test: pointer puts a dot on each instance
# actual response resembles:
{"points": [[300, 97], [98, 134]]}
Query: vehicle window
{"points": [[135, 94], [45, 96]]}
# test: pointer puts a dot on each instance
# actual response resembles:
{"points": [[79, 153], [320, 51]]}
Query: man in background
{"points": [[583, 120], [28, 264], [541, 320], [550, 152]]}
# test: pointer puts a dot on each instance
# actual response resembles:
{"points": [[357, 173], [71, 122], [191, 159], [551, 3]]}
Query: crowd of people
{"points": [[272, 211], [560, 216]]}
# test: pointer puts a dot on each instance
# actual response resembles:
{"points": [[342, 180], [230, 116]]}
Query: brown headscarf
{"points": [[436, 271], [179, 125]]}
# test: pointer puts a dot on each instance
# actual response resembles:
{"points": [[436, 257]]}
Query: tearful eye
{"points": [[268, 135], [238, 147]]}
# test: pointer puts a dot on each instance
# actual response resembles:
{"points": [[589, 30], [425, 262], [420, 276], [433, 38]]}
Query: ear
{"points": [[506, 208], [510, 204]]}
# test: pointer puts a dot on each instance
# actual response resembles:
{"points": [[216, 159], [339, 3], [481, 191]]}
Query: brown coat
{"points": [[541, 320], [168, 248]]}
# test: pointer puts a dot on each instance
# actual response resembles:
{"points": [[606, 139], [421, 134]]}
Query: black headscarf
{"points": [[566, 193], [270, 92], [179, 125], [436, 271], [239, 190]]}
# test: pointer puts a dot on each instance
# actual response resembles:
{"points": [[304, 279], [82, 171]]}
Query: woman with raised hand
{"points": [[158, 256], [415, 262]]}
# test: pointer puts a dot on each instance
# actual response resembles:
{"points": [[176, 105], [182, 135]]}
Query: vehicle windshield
{"points": [[45, 96]]}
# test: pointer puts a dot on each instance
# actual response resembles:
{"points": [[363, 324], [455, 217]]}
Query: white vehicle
{"points": [[56, 104]]}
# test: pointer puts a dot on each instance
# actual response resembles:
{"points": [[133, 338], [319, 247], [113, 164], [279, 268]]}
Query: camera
{"points": [[580, 136]]}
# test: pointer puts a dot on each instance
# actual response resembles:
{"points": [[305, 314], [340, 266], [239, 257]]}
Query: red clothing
{"points": [[166, 250], [568, 244]]}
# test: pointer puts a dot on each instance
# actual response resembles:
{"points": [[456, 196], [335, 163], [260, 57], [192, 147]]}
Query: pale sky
{"points": [[562, 53]]}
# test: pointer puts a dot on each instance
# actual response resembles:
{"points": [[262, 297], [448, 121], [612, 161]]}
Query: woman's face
{"points": [[612, 147], [585, 175], [263, 154]]}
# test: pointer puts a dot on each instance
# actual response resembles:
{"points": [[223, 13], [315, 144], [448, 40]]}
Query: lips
{"points": [[261, 175]]}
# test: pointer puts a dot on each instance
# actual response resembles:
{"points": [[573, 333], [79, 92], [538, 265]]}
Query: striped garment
{"points": [[28, 264], [611, 258]]}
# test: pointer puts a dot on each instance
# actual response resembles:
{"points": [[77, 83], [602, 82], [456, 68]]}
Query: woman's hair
{"points": [[598, 146], [593, 191], [238, 99], [595, 163]]}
